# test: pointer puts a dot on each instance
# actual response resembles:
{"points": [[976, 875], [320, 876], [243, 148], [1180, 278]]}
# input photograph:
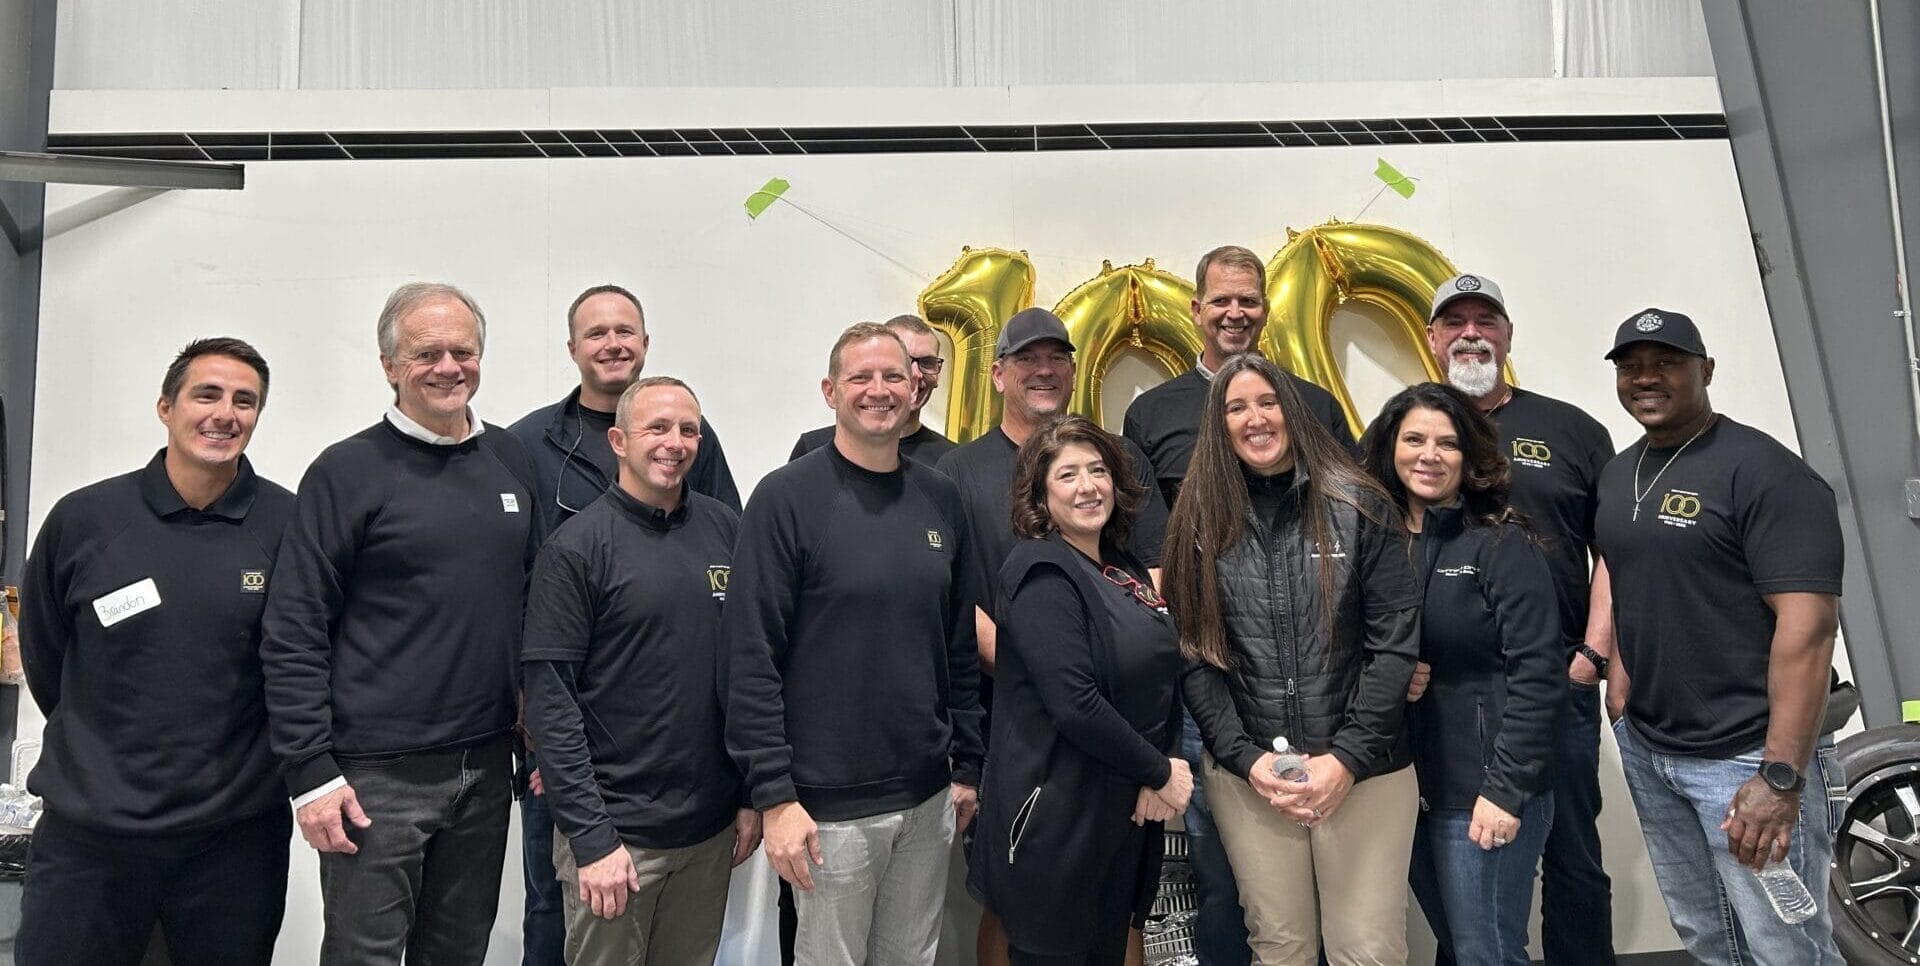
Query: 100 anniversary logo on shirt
{"points": [[1531, 452], [717, 576], [1680, 508]]}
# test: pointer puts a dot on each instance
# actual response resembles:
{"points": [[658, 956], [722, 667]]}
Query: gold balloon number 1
{"points": [[1142, 309]]}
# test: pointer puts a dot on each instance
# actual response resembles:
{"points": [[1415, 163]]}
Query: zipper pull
{"points": [[1289, 687]]}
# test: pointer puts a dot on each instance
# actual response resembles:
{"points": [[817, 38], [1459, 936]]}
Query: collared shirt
{"points": [[406, 424]]}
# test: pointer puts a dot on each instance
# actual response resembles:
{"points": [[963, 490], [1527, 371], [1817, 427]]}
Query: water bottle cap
{"points": [[1280, 745]]}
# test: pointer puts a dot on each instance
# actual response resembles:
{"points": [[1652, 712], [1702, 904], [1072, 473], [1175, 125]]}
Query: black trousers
{"points": [[1109, 949], [93, 898]]}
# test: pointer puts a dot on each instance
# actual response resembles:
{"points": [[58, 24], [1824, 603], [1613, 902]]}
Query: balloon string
{"points": [[1376, 196], [836, 229]]}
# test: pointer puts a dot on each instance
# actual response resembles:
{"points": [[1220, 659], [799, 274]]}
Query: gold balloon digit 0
{"points": [[1135, 307], [968, 304]]}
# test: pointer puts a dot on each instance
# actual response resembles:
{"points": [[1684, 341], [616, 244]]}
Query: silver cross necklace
{"points": [[1640, 495]]}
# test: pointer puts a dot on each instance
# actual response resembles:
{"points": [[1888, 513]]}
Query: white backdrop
{"points": [[1579, 235]]}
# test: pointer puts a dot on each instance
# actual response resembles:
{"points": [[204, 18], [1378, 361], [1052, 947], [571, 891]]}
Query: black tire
{"points": [[1874, 889]]}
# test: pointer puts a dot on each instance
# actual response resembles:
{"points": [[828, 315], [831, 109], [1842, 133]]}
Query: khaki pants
{"points": [[1343, 883], [675, 918]]}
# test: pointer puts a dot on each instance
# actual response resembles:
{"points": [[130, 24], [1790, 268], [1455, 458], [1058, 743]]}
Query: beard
{"points": [[1472, 376]]}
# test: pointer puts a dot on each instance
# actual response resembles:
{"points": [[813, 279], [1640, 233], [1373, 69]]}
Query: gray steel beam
{"points": [[119, 172], [1799, 84]]}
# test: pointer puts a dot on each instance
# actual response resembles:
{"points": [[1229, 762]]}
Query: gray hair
{"points": [[411, 296]]}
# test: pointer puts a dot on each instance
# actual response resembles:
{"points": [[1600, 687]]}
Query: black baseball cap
{"points": [[1658, 325], [1029, 326]]}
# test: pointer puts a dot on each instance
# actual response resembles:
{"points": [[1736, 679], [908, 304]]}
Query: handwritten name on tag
{"points": [[126, 602]]}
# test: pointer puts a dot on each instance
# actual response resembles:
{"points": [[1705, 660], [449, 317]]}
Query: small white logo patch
{"points": [[1467, 283], [126, 602], [1649, 322], [510, 502]]}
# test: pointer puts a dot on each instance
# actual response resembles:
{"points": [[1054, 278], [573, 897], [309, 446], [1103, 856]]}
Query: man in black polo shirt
{"points": [[1230, 310], [391, 645], [918, 441], [1724, 552], [623, 630], [852, 708], [140, 632], [1556, 453], [573, 464], [1033, 371]]}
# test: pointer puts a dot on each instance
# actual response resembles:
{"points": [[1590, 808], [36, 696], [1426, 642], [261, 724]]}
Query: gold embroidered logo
{"points": [[1680, 508], [933, 540], [717, 576], [253, 581], [1532, 452]]}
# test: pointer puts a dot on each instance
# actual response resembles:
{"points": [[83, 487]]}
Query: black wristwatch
{"points": [[1595, 658], [1782, 777]]}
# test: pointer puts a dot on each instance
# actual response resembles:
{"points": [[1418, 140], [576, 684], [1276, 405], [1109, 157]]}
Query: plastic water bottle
{"points": [[1289, 765], [1789, 896]]}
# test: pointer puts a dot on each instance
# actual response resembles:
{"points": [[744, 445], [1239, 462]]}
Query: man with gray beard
{"points": [[1556, 452]]}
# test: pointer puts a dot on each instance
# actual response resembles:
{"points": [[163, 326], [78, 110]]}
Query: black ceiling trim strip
{"points": [[727, 142]]}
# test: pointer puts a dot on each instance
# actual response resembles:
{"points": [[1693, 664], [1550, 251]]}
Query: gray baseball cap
{"points": [[1462, 286], [1029, 326]]}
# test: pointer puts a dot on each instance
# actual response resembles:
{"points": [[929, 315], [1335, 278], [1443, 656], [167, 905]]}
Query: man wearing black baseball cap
{"points": [[1555, 452], [1725, 556]]}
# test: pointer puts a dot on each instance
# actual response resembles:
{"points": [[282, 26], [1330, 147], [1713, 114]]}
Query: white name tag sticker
{"points": [[126, 602], [510, 502]]}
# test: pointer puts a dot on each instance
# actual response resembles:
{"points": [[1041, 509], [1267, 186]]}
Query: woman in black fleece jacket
{"points": [[1482, 723]]}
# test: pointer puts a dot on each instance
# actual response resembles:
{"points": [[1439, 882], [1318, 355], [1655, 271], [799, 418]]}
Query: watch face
{"points": [[1781, 776]]}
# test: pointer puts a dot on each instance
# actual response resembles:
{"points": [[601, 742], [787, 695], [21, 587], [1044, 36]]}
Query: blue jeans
{"points": [[1478, 901], [1717, 905], [543, 923], [1576, 896], [1219, 925]]}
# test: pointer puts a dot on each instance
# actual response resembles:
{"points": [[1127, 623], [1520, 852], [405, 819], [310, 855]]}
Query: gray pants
{"points": [[675, 918], [426, 881], [878, 896]]}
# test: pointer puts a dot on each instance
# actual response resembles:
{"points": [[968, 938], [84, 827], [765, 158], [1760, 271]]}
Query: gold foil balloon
{"points": [[1135, 307], [1326, 265], [968, 304]]}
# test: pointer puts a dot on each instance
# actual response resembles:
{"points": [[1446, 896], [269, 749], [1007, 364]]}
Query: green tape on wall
{"points": [[1910, 712]]}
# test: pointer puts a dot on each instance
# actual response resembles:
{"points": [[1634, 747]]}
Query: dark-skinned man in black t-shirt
{"points": [[1555, 452], [1230, 309], [623, 631], [140, 633], [573, 464], [1724, 553], [852, 707]]}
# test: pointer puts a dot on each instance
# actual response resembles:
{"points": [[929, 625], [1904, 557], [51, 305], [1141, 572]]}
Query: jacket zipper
{"points": [[1021, 819], [1480, 726]]}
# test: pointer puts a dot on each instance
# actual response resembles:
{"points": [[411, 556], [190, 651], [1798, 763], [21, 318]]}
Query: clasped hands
{"points": [[1308, 802], [1170, 799]]}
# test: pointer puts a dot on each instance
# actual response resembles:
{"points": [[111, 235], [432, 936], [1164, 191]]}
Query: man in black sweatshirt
{"points": [[140, 632], [623, 631], [391, 641], [852, 707], [573, 464]]}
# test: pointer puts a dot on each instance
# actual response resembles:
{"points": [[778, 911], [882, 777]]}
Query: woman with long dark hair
{"points": [[1482, 725], [1079, 777], [1288, 572]]}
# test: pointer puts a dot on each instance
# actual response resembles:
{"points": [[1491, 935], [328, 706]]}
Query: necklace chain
{"points": [[1640, 495]]}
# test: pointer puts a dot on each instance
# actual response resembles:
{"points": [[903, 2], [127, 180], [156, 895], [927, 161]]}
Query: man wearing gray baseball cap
{"points": [[1724, 551]]}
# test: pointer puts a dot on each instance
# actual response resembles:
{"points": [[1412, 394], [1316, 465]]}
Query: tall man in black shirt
{"points": [[1033, 370], [391, 642], [852, 707], [1724, 552], [140, 632], [1230, 310], [573, 464], [623, 630], [1556, 453], [918, 441]]}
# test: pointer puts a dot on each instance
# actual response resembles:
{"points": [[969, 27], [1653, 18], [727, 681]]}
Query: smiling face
{"points": [[1427, 458], [872, 394], [1035, 382], [1663, 388], [656, 443], [1470, 338], [1230, 309], [435, 368], [211, 419], [1255, 425], [608, 343], [1079, 493]]}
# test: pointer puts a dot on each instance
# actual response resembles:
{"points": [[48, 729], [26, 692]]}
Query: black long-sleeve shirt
{"points": [[393, 617], [140, 632], [849, 627]]}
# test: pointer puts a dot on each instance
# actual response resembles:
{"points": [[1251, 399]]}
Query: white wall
{"points": [[1579, 236]]}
